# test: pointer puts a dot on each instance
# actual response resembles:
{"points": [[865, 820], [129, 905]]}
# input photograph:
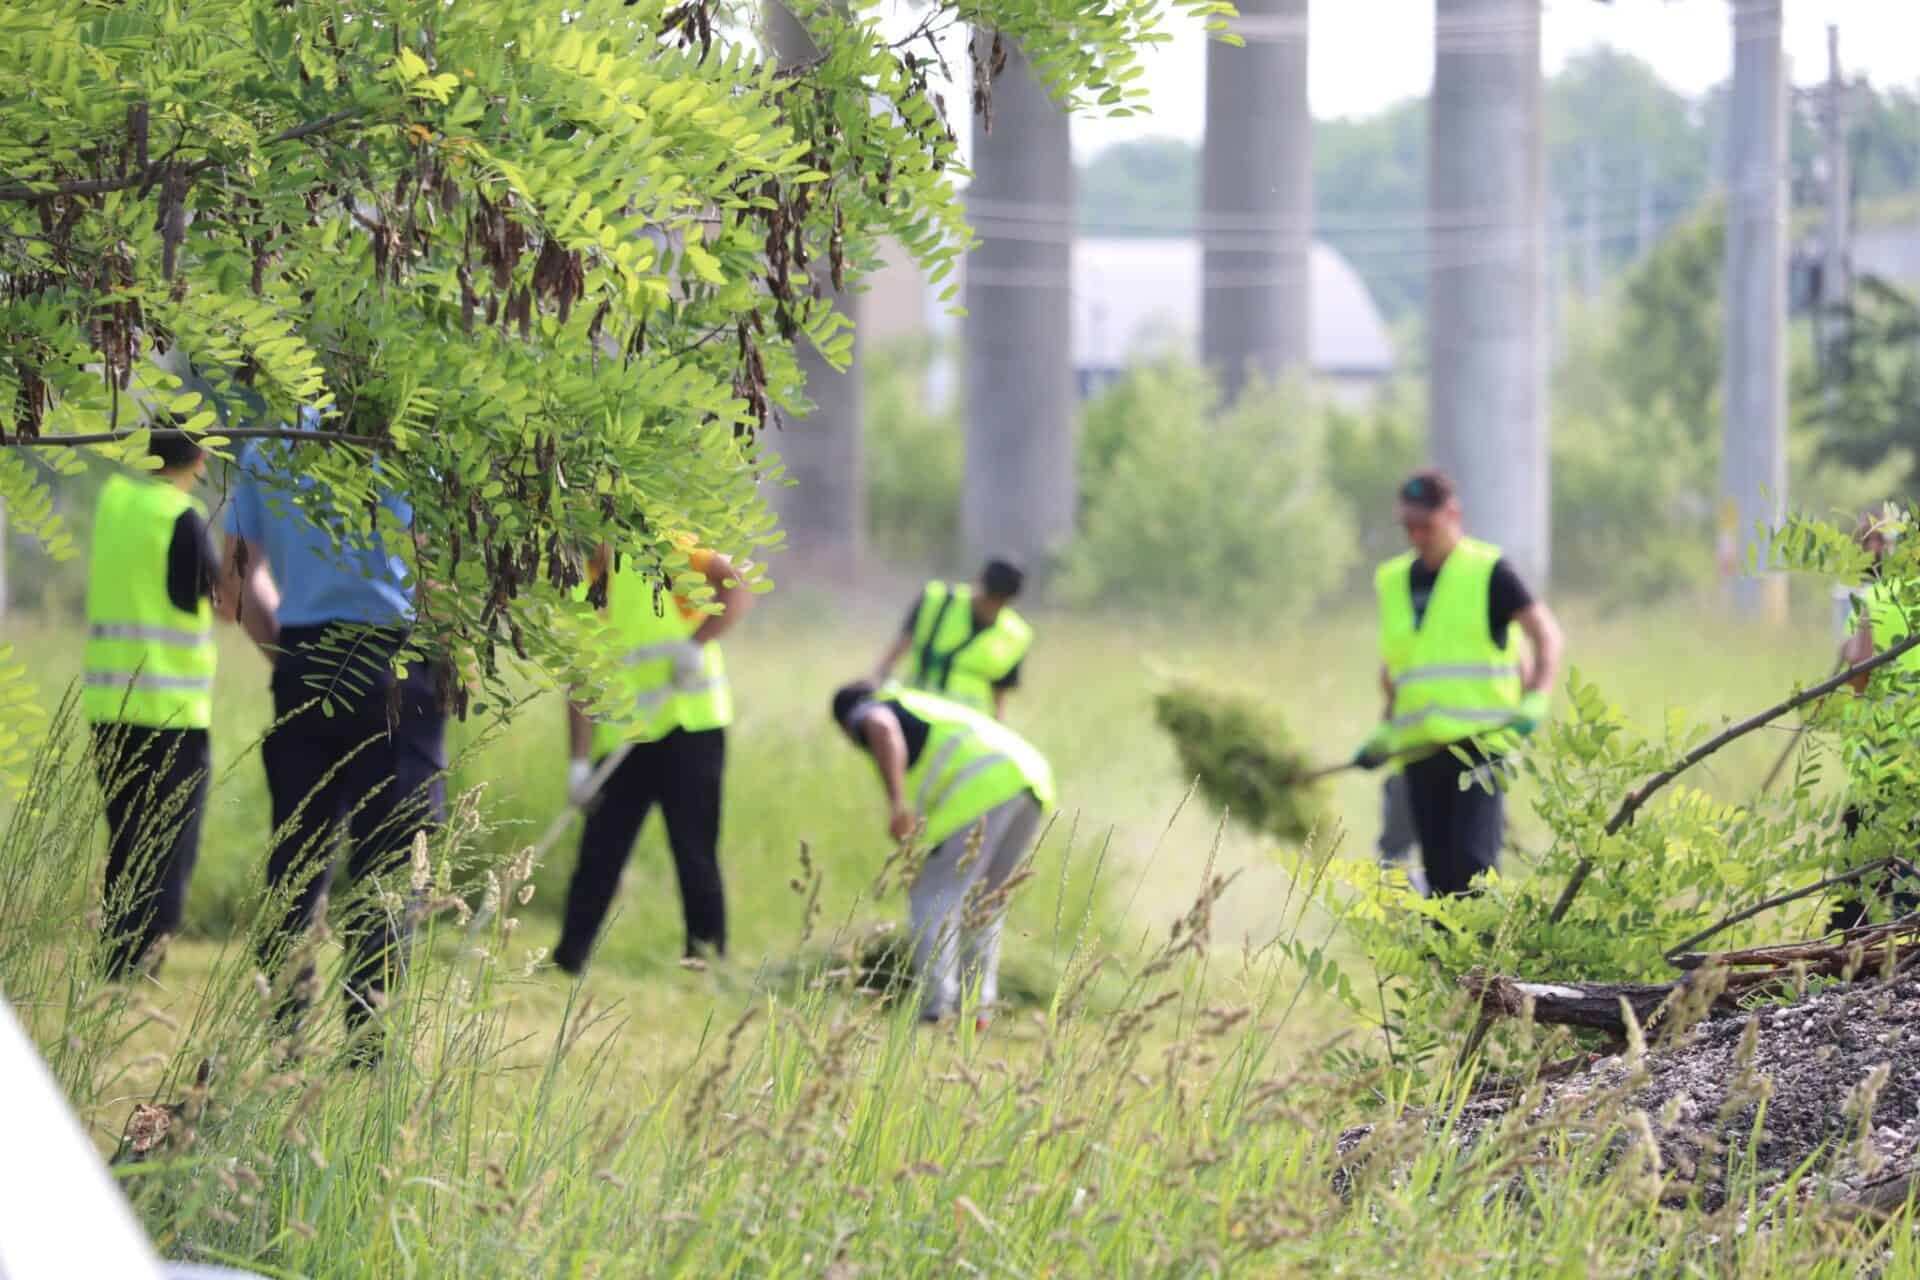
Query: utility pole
{"points": [[1836, 269], [1487, 321], [824, 510], [1590, 225], [1644, 227], [1753, 447], [1256, 199], [1020, 488]]}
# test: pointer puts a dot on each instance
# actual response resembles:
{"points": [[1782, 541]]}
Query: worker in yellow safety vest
{"points": [[674, 709], [148, 693], [1455, 681], [964, 642], [953, 777]]}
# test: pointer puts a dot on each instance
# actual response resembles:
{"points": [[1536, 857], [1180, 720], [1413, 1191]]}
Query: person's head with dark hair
{"points": [[181, 460], [1000, 581], [847, 699], [1429, 511]]}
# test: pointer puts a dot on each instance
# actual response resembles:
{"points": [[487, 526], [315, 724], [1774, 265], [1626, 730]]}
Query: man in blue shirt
{"points": [[351, 749]]}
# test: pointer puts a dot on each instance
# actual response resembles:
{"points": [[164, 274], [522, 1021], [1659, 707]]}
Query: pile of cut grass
{"points": [[1243, 759]]}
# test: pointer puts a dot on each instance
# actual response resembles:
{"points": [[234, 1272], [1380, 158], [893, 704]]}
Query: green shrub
{"points": [[1369, 453], [914, 457], [1196, 506]]}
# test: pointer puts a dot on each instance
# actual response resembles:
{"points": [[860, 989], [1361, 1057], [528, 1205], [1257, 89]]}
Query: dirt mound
{"points": [[1833, 1081]]}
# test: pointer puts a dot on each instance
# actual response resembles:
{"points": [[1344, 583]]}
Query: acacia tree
{"points": [[540, 267]]}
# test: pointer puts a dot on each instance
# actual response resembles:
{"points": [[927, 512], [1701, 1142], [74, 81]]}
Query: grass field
{"points": [[1152, 1106]]}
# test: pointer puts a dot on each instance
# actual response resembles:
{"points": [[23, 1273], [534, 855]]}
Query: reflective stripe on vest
{"points": [[147, 662], [652, 638], [1451, 680], [971, 764], [953, 660], [149, 635]]}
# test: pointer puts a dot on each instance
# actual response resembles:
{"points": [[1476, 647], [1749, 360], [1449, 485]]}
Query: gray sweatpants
{"points": [[1397, 836], [955, 950]]}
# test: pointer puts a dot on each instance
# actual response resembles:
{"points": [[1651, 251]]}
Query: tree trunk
{"points": [[1753, 453], [1487, 318], [1256, 199], [824, 510], [1020, 484]]}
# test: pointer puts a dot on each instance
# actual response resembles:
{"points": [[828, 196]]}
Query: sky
{"points": [[1365, 55]]}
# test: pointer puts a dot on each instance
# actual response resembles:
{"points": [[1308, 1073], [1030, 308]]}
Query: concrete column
{"points": [[1020, 485], [824, 511], [1487, 318], [1256, 199], [1754, 448]]}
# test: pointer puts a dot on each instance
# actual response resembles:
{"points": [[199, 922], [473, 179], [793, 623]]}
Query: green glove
{"points": [[1531, 712], [1374, 751]]}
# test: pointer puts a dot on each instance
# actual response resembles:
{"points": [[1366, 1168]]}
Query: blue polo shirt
{"points": [[320, 582]]}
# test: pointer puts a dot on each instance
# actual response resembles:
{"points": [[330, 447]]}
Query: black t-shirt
{"points": [[1506, 596], [912, 728], [1011, 680], [190, 562]]}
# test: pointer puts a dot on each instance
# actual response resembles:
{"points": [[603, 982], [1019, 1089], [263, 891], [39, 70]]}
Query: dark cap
{"points": [[1428, 489], [173, 450], [847, 697], [1002, 580]]}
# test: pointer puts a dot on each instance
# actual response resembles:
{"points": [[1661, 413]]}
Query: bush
{"points": [[1633, 495], [1192, 505], [1369, 454], [914, 456]]}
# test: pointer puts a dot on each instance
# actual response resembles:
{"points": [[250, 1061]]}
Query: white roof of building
{"points": [[1140, 296]]}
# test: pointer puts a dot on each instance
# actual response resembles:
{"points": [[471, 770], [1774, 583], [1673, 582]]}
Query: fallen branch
{"points": [[1782, 955], [1639, 796], [1759, 908], [1739, 974], [1594, 1005]]}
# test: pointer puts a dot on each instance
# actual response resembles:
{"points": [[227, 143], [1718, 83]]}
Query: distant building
{"points": [[1137, 298], [1891, 253]]}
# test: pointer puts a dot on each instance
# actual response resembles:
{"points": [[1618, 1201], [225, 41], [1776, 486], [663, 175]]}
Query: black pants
{"points": [[155, 785], [374, 770], [681, 773], [1460, 830]]}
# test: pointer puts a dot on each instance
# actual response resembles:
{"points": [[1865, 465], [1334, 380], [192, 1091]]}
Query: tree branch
{"points": [[172, 433], [1641, 794], [146, 176], [1780, 900]]}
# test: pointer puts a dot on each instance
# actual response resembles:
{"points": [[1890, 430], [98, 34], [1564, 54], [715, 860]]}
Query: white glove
{"points": [[688, 663], [578, 771]]}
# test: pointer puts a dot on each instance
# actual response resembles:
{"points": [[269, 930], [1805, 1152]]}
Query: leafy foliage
{"points": [[1684, 863], [1192, 504], [550, 264], [1877, 415], [913, 460]]}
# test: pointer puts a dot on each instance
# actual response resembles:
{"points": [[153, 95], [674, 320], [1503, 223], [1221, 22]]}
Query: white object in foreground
{"points": [[61, 1212]]}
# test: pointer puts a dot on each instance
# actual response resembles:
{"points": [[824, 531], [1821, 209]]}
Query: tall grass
{"points": [[1175, 1099]]}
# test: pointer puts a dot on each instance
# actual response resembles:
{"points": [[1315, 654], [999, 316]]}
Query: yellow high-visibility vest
{"points": [[1451, 679], [147, 662], [950, 659], [971, 764]]}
